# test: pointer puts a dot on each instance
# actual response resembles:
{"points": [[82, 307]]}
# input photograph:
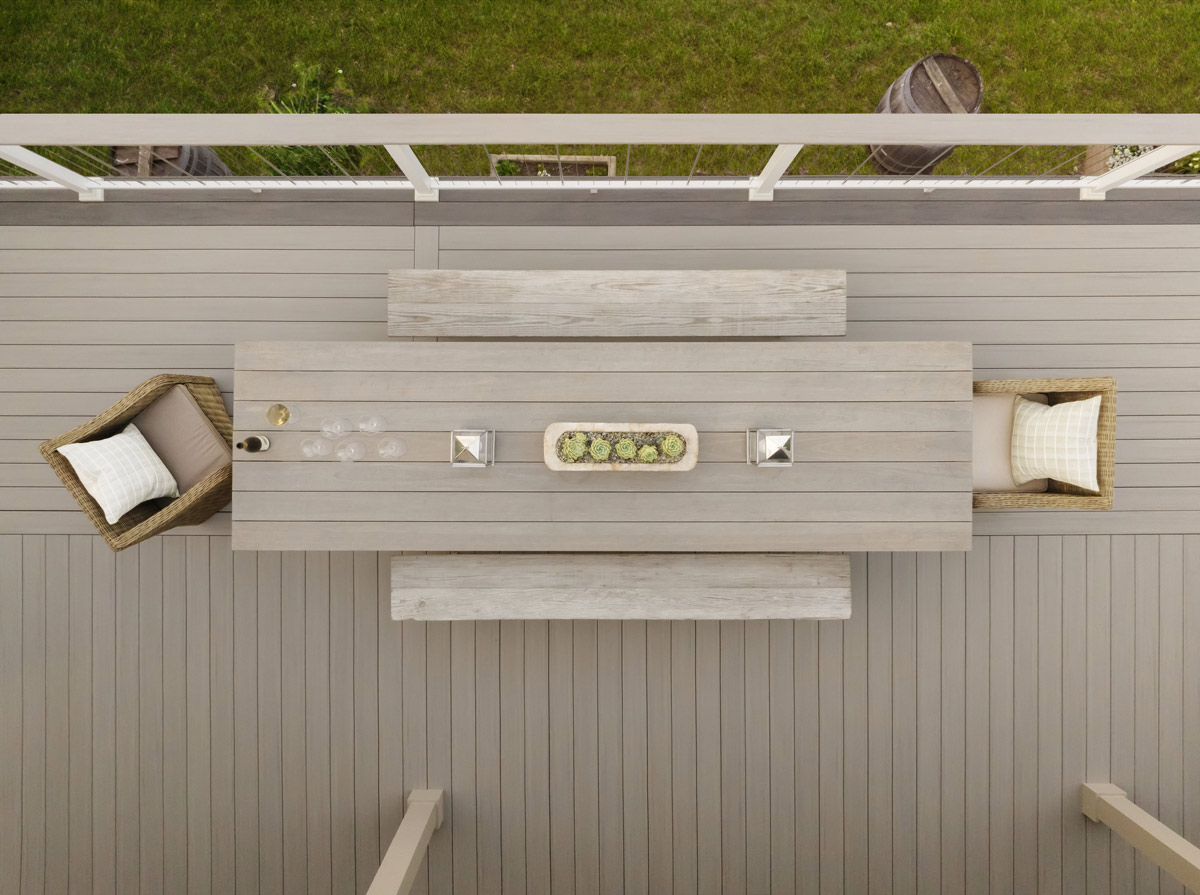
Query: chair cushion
{"points": [[186, 440], [120, 472], [991, 468], [1056, 442]]}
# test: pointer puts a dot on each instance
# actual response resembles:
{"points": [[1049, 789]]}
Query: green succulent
{"points": [[572, 450], [581, 437], [600, 449], [672, 445], [648, 454], [626, 449]]}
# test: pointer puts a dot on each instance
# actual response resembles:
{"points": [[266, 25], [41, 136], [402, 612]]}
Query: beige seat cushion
{"points": [[188, 443], [991, 466]]}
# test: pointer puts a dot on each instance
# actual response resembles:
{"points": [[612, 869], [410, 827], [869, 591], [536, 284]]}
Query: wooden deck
{"points": [[182, 718]]}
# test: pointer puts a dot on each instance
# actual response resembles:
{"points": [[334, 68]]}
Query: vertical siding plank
{"points": [[127, 859], [850, 804], [79, 672], [608, 660], [954, 660], [781, 678], [391, 714], [487, 753], [1074, 712], [11, 709], [151, 640], [708, 757], [879, 723], [1191, 687], [733, 756], [437, 659], [683, 755], [1123, 558], [104, 714], [1145, 692], [587, 761], [198, 717], [1000, 820], [537, 757], [318, 846], [245, 715], [415, 730], [58, 712], [1050, 707], [294, 741], [1170, 693], [635, 800], [512, 756], [221, 689], [977, 717], [270, 669], [904, 723], [834, 863], [341, 720], [174, 713], [1098, 702], [658, 753], [806, 684], [929, 722], [1025, 712], [366, 724], [757, 689], [462, 754], [33, 714]]}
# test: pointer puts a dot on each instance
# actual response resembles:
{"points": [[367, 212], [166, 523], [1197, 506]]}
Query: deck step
{"points": [[472, 586], [616, 303]]}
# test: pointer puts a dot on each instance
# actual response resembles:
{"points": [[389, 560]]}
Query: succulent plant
{"points": [[648, 454], [600, 449], [581, 437], [572, 450], [626, 449], [672, 445]]}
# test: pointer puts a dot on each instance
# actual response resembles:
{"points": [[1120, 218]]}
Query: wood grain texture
{"points": [[644, 585], [557, 303], [514, 391]]}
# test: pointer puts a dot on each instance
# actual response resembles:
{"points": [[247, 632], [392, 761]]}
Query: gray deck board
{"points": [[262, 714]]}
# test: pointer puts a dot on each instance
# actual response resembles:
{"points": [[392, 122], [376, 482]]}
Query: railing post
{"points": [[762, 187], [43, 167], [1109, 805], [400, 864], [1143, 164], [422, 184]]}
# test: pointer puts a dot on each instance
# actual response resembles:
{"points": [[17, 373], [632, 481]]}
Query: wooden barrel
{"points": [[939, 83]]}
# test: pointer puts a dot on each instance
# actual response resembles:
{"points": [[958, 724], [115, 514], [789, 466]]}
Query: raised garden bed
{"points": [[597, 447]]}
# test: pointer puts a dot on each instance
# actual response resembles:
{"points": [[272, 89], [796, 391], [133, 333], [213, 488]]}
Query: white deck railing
{"points": [[398, 870], [1108, 804], [51, 147]]}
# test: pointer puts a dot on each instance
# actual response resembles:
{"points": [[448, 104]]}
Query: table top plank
{"points": [[882, 446]]}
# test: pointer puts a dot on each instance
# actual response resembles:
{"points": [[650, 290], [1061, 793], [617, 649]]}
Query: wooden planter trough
{"points": [[588, 463]]}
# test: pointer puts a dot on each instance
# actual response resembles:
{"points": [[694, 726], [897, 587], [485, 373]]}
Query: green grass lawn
{"points": [[603, 56]]}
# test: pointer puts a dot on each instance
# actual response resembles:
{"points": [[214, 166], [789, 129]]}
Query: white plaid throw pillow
{"points": [[1056, 442], [120, 472]]}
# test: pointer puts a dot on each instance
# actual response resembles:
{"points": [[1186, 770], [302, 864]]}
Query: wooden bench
{"points": [[621, 303], [453, 586]]}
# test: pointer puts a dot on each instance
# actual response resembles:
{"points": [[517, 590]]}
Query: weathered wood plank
{"points": [[481, 586], [497, 303]]}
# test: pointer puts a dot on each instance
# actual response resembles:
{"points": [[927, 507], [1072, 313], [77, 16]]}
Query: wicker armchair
{"points": [[1061, 496], [196, 505]]}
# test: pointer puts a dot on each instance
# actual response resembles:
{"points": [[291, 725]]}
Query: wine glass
{"points": [[372, 425], [316, 447], [351, 450], [391, 448], [334, 427]]}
